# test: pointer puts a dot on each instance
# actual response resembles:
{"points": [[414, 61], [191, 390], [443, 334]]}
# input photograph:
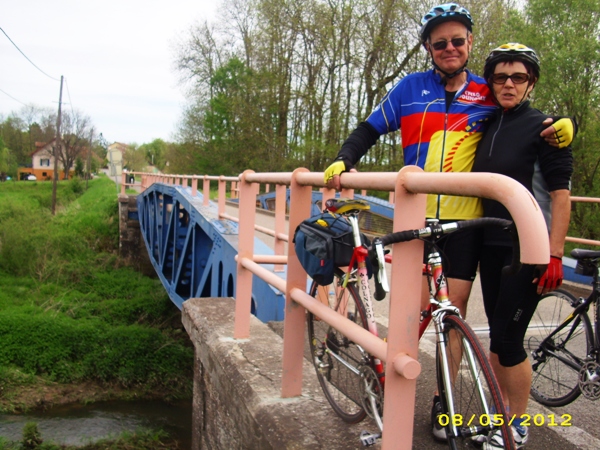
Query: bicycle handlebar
{"points": [[439, 230], [435, 231]]}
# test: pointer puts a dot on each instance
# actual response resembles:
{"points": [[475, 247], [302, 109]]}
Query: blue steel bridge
{"points": [[193, 250]]}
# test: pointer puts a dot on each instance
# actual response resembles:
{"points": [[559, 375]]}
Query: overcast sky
{"points": [[116, 57]]}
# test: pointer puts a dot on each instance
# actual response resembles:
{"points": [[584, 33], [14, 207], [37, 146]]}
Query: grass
{"points": [[69, 310], [140, 440]]}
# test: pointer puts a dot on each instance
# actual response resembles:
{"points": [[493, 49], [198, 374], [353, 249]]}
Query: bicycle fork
{"points": [[443, 341]]}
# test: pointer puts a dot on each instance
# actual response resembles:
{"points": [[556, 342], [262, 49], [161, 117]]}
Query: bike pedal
{"points": [[368, 439]]}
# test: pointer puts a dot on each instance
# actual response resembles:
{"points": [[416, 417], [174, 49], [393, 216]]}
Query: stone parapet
{"points": [[237, 389]]}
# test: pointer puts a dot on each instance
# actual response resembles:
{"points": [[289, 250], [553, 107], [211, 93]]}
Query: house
{"points": [[42, 162], [115, 153]]}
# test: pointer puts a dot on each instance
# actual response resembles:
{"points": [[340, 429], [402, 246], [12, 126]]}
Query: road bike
{"points": [[354, 382], [564, 347]]}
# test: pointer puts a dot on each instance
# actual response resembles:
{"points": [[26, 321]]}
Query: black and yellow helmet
{"points": [[444, 13], [509, 53]]}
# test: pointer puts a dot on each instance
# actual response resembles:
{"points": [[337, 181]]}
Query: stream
{"points": [[83, 424]]}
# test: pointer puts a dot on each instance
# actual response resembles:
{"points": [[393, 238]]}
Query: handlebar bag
{"points": [[322, 243]]}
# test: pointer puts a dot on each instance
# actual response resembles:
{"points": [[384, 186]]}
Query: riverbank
{"points": [[77, 325]]}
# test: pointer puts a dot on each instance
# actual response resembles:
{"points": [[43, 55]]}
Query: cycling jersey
{"points": [[435, 138]]}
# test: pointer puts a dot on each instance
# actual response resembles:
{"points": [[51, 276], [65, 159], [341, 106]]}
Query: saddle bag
{"points": [[322, 243]]}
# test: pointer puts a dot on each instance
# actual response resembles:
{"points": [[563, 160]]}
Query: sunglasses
{"points": [[456, 42], [516, 78]]}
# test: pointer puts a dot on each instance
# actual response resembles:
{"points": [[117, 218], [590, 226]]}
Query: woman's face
{"points": [[451, 58], [509, 94]]}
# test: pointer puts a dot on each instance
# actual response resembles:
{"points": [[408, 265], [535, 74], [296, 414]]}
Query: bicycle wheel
{"points": [[557, 356], [337, 359], [473, 395]]}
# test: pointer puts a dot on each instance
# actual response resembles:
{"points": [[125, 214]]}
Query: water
{"points": [[82, 424]]}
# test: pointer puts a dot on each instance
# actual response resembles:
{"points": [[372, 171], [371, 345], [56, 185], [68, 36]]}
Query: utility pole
{"points": [[57, 149], [89, 155]]}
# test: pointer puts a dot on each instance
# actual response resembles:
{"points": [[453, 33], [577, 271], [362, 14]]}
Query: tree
{"points": [[155, 152], [76, 129], [4, 160], [279, 83], [134, 159]]}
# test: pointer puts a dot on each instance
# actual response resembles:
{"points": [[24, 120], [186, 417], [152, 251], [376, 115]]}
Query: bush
{"points": [[67, 313], [67, 350], [31, 436]]}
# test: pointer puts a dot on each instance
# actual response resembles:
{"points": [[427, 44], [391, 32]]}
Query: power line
{"points": [[69, 95], [8, 95], [11, 41]]}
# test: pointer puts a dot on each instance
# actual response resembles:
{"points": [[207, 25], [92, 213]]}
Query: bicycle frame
{"points": [[573, 320], [439, 306]]}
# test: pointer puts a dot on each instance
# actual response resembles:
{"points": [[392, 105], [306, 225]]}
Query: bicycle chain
{"points": [[370, 388], [589, 380]]}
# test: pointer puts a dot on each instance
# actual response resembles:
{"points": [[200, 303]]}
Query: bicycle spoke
{"points": [[336, 358], [556, 356], [470, 395]]}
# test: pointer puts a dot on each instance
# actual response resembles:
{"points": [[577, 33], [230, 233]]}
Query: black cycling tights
{"points": [[509, 300]]}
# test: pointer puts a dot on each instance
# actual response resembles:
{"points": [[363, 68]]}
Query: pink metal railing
{"points": [[400, 350], [407, 190]]}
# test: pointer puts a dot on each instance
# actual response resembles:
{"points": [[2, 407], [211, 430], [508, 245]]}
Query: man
{"points": [[442, 114]]}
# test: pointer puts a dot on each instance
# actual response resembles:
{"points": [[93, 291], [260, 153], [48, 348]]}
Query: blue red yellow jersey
{"points": [[435, 138]]}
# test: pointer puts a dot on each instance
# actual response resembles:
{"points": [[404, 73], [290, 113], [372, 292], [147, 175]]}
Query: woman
{"points": [[512, 146]]}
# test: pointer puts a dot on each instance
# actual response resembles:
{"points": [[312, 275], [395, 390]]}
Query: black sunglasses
{"points": [[516, 78], [456, 42]]}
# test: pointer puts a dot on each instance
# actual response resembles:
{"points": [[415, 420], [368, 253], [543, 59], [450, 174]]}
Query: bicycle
{"points": [[353, 381], [565, 351]]}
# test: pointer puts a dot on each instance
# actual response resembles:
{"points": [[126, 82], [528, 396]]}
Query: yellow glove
{"points": [[334, 169], [564, 133]]}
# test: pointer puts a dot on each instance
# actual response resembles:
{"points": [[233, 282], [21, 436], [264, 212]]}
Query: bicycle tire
{"points": [[473, 406], [556, 361], [341, 386]]}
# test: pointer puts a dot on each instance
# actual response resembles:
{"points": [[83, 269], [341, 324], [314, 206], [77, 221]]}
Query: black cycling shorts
{"points": [[510, 301], [460, 253]]}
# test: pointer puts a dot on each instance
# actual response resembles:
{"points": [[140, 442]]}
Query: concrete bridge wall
{"points": [[237, 389], [131, 244]]}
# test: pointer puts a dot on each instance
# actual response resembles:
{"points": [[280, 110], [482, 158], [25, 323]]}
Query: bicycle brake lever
{"points": [[381, 273]]}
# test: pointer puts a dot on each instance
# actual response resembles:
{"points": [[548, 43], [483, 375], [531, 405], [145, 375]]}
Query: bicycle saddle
{"points": [[346, 205], [579, 253]]}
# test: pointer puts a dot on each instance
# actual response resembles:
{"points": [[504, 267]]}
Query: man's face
{"points": [[453, 57]]}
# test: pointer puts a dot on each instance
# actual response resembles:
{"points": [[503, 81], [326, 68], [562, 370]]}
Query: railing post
{"points": [[222, 195], [280, 207], [243, 289], [404, 317], [206, 190], [294, 316], [327, 194], [347, 193], [123, 182], [234, 190], [194, 185]]}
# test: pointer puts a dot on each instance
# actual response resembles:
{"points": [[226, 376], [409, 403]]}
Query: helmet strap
{"points": [[447, 75]]}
